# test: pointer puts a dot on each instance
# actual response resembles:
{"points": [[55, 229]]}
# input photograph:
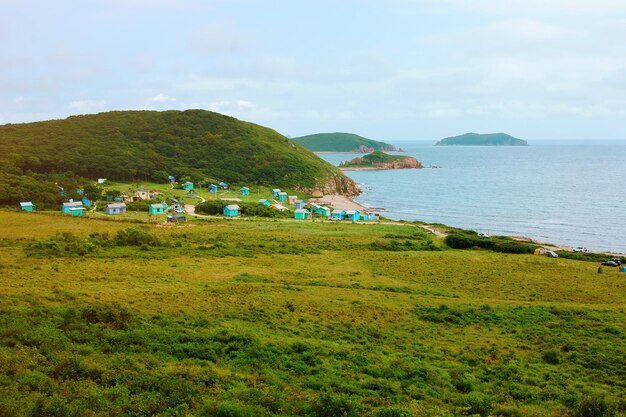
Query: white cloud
{"points": [[220, 37], [87, 106], [162, 98]]}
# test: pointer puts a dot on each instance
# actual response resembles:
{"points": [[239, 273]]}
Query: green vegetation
{"points": [[194, 145], [280, 318], [468, 239], [381, 160], [342, 142], [477, 139]]}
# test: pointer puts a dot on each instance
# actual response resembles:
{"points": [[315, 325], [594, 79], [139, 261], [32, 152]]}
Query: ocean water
{"points": [[564, 192]]}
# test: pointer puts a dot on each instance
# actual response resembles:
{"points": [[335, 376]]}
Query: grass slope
{"points": [[477, 139], [148, 145], [341, 142], [276, 318]]}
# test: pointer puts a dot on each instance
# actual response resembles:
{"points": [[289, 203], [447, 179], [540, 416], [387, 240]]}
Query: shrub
{"points": [[135, 237], [210, 207], [552, 356], [392, 412], [334, 405], [461, 241], [478, 403], [111, 315], [595, 407]]}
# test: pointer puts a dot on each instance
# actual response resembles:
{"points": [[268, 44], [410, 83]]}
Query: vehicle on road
{"points": [[580, 249], [610, 263], [551, 254]]}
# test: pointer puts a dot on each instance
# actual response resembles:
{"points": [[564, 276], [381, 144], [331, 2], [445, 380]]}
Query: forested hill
{"points": [[148, 145], [478, 139], [342, 142]]}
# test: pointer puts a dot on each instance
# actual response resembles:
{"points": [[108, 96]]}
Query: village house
{"points": [[171, 179], [338, 214], [353, 215], [158, 208], [292, 199], [299, 204], [231, 210], [275, 192], [324, 211], [66, 207], [116, 208], [77, 211], [187, 186], [213, 188], [223, 185], [244, 191], [141, 195], [86, 202], [27, 206], [302, 214], [264, 202], [282, 196]]}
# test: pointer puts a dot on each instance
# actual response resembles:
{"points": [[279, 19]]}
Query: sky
{"points": [[394, 69]]}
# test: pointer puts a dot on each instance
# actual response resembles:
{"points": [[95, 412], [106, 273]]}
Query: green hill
{"points": [[342, 142], [147, 145], [477, 139], [381, 160]]}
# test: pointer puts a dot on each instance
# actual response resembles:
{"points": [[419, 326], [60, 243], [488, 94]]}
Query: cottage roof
{"points": [[26, 204], [73, 204], [282, 193], [293, 196], [116, 205], [77, 208], [223, 184], [279, 207], [276, 190], [232, 207], [338, 212], [263, 200], [159, 205], [245, 188], [301, 211], [351, 212]]}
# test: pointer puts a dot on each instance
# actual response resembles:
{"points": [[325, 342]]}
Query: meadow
{"points": [[282, 318]]}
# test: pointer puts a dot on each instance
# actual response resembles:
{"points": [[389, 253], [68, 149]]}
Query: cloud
{"points": [[220, 37], [87, 106], [162, 98]]}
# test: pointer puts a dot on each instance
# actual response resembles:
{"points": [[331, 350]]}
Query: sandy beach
{"points": [[342, 202]]}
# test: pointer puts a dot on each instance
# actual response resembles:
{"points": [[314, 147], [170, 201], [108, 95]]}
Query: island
{"points": [[343, 143], [379, 160], [478, 139]]}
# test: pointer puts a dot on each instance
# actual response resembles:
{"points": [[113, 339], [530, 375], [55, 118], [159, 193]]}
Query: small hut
{"points": [[171, 179], [353, 215], [223, 185], [158, 208], [299, 204], [282, 196], [187, 186], [213, 188], [264, 202], [275, 192], [302, 214], [70, 205], [116, 208], [244, 191], [27, 206], [338, 214], [176, 218], [77, 211], [292, 199], [231, 210]]}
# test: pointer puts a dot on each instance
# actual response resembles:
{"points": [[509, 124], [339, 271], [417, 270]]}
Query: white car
{"points": [[580, 249], [483, 235], [552, 254]]}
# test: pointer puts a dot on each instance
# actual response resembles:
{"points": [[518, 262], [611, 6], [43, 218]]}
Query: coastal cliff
{"points": [[379, 161]]}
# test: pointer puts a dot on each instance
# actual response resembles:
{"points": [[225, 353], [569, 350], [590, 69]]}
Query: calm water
{"points": [[567, 192]]}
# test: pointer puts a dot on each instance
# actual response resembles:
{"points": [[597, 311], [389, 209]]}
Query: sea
{"points": [[566, 192]]}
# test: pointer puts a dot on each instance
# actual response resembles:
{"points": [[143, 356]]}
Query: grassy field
{"points": [[275, 318]]}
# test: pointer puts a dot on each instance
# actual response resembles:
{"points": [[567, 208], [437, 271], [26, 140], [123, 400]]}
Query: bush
{"points": [[211, 207], [595, 407], [392, 412], [135, 237], [461, 241], [552, 356], [335, 405], [111, 315], [478, 403]]}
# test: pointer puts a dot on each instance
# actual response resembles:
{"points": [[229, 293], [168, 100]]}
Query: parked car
{"points": [[552, 254], [610, 263], [483, 235], [580, 249], [616, 260]]}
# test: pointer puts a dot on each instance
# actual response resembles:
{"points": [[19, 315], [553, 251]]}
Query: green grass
{"points": [[275, 318]]}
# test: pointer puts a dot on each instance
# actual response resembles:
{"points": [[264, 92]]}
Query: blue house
{"points": [[77, 211], [324, 211], [171, 179], [116, 208], [187, 186], [353, 215], [302, 214], [86, 202], [299, 204], [27, 206], [244, 191], [223, 185], [70, 205], [232, 210], [275, 192], [338, 214], [282, 196], [213, 188], [158, 208], [265, 202]]}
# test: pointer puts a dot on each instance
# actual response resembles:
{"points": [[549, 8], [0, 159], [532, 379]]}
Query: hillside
{"points": [[148, 146], [275, 319], [380, 160], [342, 142], [477, 139]]}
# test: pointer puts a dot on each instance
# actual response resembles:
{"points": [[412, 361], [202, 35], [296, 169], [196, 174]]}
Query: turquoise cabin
{"points": [[70, 205], [171, 179], [158, 208], [27, 206], [77, 211], [324, 211], [282, 196], [223, 185], [275, 192], [265, 202], [188, 186], [353, 215], [302, 214], [365, 217], [86, 202], [213, 188], [231, 210], [338, 214], [244, 191]]}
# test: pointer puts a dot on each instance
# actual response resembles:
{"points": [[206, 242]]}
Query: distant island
{"points": [[379, 160], [477, 139], [343, 142]]}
